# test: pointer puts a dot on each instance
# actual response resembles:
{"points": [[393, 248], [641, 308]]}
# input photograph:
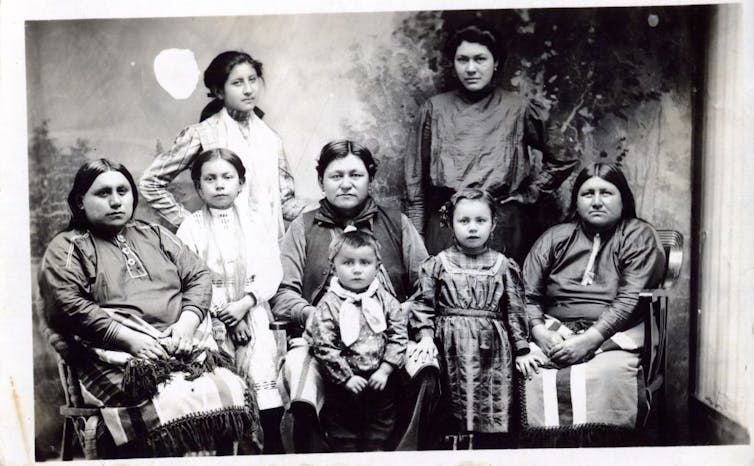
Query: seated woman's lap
{"points": [[608, 389]]}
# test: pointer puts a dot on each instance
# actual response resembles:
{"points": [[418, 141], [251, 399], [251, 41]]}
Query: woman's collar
{"points": [[475, 96], [590, 231], [106, 233], [328, 213]]}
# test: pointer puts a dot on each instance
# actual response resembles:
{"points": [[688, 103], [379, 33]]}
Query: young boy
{"points": [[358, 335]]}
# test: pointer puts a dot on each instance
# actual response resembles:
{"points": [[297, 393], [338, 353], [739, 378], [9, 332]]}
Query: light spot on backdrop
{"points": [[177, 72]]}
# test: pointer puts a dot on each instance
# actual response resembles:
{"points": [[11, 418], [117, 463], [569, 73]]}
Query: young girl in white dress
{"points": [[246, 272]]}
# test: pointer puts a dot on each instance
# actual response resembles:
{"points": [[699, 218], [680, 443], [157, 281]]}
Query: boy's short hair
{"points": [[355, 239]]}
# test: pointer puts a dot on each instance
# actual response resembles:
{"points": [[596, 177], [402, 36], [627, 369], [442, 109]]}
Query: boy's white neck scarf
{"points": [[350, 311]]}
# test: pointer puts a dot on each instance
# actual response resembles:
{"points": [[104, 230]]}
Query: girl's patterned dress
{"points": [[474, 308]]}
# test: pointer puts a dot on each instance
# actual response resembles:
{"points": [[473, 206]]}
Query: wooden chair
{"points": [[654, 304], [79, 420]]}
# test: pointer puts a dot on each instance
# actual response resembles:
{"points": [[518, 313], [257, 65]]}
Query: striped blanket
{"points": [[606, 390], [192, 409]]}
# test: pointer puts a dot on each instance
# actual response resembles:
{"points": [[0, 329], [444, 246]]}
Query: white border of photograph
{"points": [[16, 381]]}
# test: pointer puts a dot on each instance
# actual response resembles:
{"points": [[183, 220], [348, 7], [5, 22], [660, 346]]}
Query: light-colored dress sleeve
{"points": [[189, 234], [264, 265], [163, 170]]}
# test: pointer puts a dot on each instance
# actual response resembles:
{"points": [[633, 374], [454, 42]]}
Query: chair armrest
{"points": [[655, 293], [280, 332]]}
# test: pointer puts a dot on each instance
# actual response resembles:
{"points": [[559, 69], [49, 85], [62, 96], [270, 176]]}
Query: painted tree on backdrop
{"points": [[594, 68], [51, 173], [602, 72]]}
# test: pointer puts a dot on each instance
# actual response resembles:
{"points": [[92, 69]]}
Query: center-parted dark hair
{"points": [[355, 239], [217, 74], [478, 32], [472, 194], [612, 174], [342, 148], [212, 154], [84, 179]]}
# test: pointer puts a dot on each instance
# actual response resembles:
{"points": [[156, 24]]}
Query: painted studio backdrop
{"points": [[618, 80]]}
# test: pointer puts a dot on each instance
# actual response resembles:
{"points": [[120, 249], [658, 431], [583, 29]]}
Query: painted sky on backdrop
{"points": [[95, 79]]}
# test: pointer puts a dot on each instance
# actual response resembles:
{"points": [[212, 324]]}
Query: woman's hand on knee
{"points": [[546, 339], [141, 345], [576, 348], [182, 333]]}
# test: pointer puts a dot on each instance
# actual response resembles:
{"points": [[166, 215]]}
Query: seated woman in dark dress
{"points": [[583, 280], [132, 301]]}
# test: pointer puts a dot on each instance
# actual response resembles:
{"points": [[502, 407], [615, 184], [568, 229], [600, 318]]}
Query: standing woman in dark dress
{"points": [[479, 135]]}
